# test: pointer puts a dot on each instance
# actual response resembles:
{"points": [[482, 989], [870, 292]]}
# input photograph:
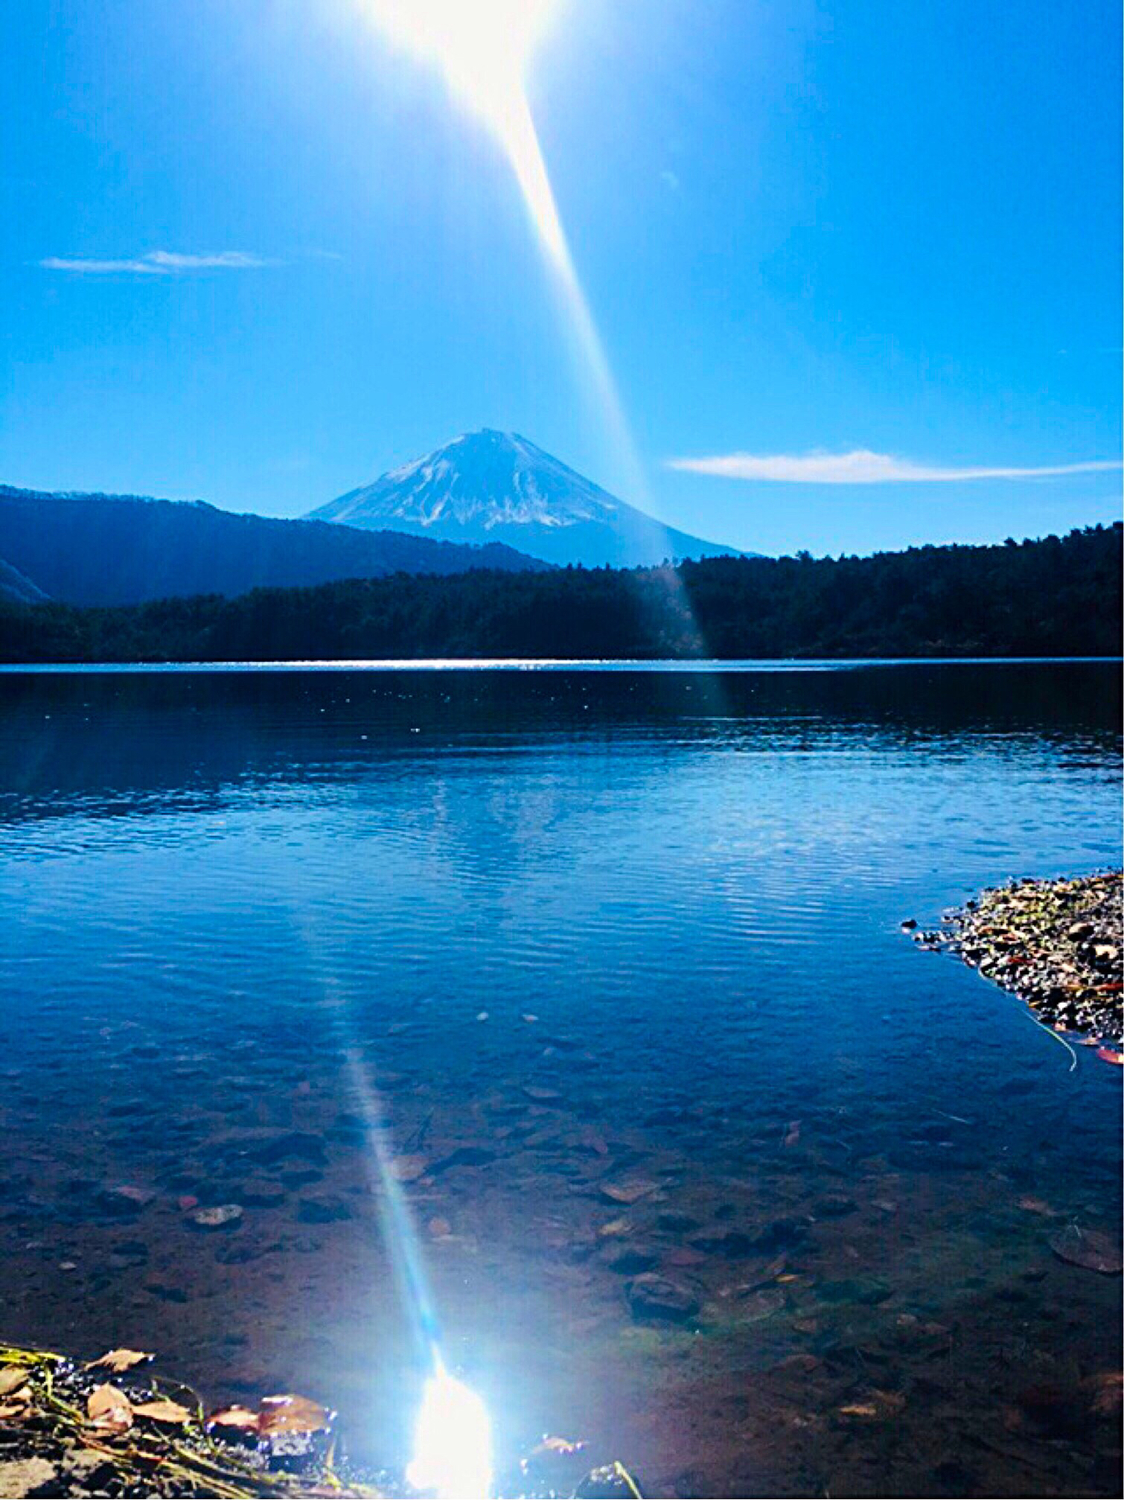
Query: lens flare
{"points": [[452, 1441]]}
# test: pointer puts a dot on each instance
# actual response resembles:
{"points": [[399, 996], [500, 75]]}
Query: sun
{"points": [[481, 46]]}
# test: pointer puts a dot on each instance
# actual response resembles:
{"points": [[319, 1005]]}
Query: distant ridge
{"points": [[126, 549], [500, 487]]}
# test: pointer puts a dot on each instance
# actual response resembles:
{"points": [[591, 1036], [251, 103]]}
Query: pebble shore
{"points": [[1054, 943]]}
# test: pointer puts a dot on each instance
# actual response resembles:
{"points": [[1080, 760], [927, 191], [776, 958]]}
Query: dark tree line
{"points": [[1060, 596]]}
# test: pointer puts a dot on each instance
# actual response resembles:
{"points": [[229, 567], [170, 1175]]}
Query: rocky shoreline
{"points": [[110, 1426], [1054, 943]]}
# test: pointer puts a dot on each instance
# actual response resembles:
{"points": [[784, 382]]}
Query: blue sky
{"points": [[800, 229]]}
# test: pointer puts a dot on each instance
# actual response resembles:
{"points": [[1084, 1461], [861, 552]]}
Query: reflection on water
{"points": [[618, 955]]}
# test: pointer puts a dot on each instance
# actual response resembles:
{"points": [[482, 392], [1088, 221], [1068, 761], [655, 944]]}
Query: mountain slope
{"points": [[498, 486], [98, 549]]}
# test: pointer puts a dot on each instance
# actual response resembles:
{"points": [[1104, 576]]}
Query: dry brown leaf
{"points": [[1107, 1397], [558, 1445], [17, 1408], [119, 1360], [1091, 1249], [163, 1411], [239, 1417], [292, 1414], [629, 1192], [1032, 1205], [109, 1409], [11, 1378]]}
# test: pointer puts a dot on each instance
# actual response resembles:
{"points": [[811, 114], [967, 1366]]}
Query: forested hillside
{"points": [[1051, 597]]}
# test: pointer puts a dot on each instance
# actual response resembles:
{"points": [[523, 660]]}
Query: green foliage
{"points": [[1053, 597]]}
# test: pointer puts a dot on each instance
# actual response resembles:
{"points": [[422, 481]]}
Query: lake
{"points": [[607, 967]]}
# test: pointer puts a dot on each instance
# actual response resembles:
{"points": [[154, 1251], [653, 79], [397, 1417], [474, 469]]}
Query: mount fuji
{"points": [[493, 486]]}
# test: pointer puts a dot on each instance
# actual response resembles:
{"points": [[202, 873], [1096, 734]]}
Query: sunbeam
{"points": [[452, 1446], [483, 49]]}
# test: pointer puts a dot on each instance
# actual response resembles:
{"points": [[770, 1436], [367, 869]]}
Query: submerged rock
{"points": [[656, 1298], [865, 1290], [324, 1210], [262, 1192], [628, 1260], [465, 1156], [760, 1305]]}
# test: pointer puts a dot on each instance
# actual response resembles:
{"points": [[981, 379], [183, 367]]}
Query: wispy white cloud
{"points": [[159, 263], [100, 267], [861, 466]]}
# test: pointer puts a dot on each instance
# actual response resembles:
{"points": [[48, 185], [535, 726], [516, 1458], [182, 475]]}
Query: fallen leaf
{"points": [[1037, 1206], [1090, 1249], [439, 1228], [792, 1136], [119, 1360], [131, 1194], [1108, 1055], [163, 1411], [408, 1168], [109, 1409], [628, 1192], [557, 1445], [239, 1417], [292, 1414], [884, 1404], [17, 1408], [11, 1379]]}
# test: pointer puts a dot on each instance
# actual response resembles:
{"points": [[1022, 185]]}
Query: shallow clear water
{"points": [[239, 900]]}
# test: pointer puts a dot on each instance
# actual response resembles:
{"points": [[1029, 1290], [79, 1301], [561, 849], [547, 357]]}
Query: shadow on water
{"points": [[619, 953], [150, 735]]}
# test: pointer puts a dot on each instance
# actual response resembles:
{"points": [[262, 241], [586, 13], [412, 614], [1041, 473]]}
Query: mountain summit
{"points": [[493, 486]]}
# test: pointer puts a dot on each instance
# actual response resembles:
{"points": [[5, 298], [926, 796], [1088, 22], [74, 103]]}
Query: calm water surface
{"points": [[552, 935]]}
